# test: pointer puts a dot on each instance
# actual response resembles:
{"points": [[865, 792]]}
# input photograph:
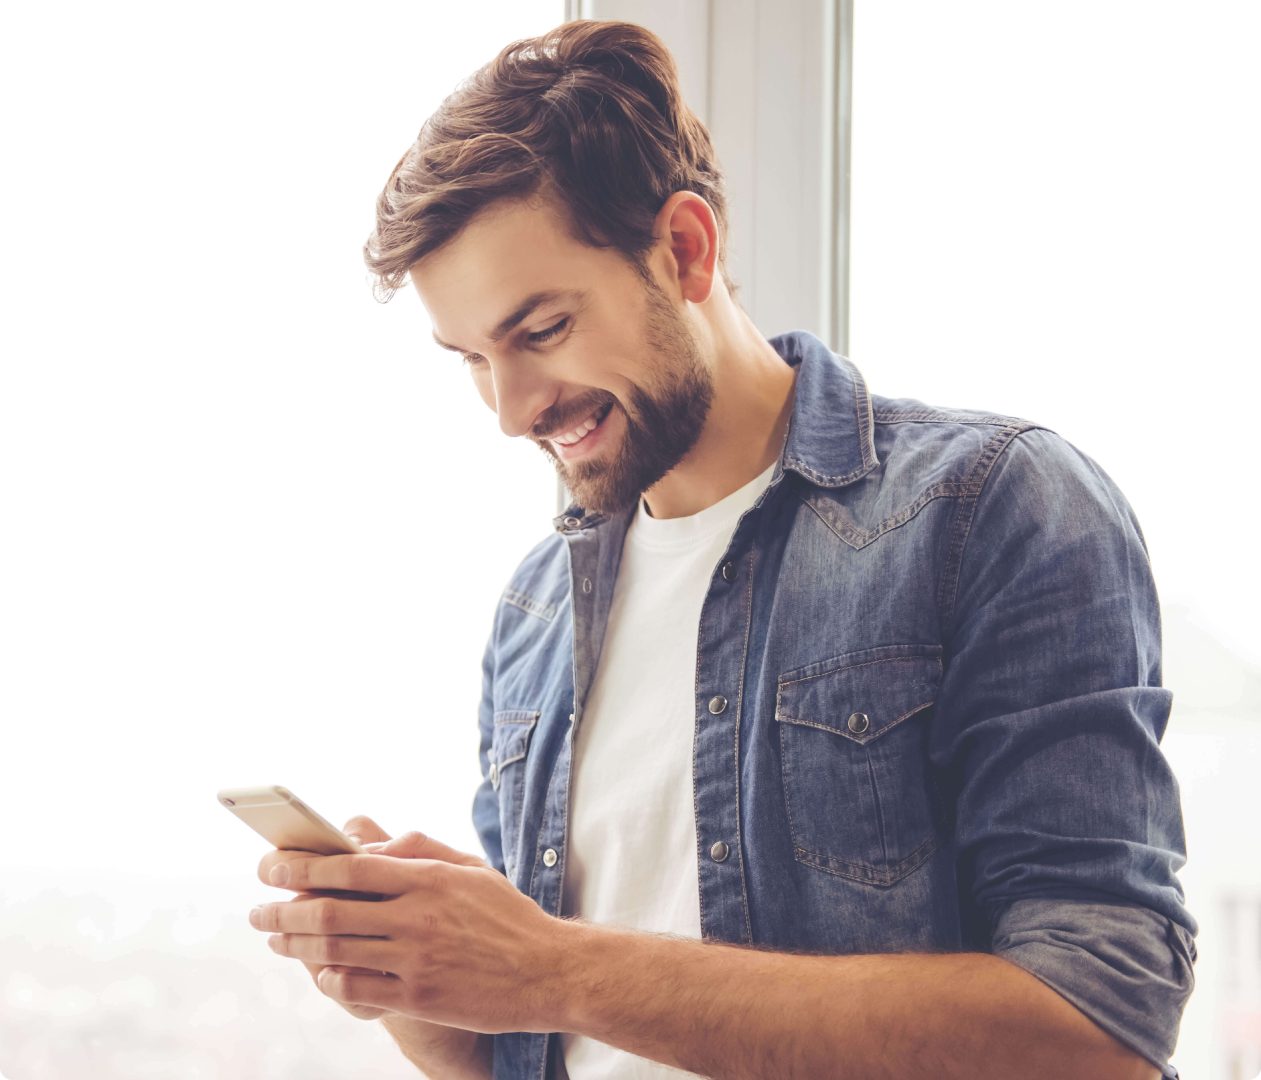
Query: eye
{"points": [[471, 359], [547, 335]]}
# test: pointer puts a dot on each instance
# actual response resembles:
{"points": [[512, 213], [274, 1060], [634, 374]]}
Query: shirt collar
{"points": [[830, 439]]}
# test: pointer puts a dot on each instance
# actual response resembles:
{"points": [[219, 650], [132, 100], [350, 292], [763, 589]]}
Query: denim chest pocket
{"points": [[853, 736], [510, 742]]}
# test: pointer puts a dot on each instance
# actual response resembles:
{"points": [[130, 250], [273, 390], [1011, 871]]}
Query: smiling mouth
{"points": [[580, 434]]}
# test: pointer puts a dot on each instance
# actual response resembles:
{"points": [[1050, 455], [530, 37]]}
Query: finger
{"points": [[416, 845], [285, 861], [268, 864], [276, 858], [370, 954], [360, 1012], [347, 873], [365, 830], [355, 988], [325, 915]]}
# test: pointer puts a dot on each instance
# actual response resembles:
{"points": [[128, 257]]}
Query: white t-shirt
{"points": [[632, 821]]}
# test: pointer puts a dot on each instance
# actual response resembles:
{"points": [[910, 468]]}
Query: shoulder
{"points": [[989, 453], [961, 444]]}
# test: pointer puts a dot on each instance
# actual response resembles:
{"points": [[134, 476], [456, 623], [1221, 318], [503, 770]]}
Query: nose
{"points": [[520, 395]]}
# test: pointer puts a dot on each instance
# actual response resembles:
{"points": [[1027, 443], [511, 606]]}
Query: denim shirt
{"points": [[928, 709]]}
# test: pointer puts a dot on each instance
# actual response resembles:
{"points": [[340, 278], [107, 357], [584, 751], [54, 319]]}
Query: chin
{"points": [[596, 493]]}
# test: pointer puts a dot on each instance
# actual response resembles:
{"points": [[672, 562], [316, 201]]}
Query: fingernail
{"points": [[256, 916], [279, 875]]}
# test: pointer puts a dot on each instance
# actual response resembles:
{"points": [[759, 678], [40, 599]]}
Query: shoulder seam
{"points": [[945, 416]]}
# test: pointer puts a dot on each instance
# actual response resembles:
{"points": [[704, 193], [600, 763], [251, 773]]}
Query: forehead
{"points": [[507, 251]]}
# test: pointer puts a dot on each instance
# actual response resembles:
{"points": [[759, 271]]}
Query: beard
{"points": [[662, 421]]}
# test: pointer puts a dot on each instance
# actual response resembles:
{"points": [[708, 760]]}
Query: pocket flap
{"points": [[510, 738], [863, 694]]}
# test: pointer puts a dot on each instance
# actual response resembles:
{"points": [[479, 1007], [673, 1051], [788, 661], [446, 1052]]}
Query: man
{"points": [[822, 737]]}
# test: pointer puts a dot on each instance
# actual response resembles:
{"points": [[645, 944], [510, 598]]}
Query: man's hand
{"points": [[369, 833], [451, 941]]}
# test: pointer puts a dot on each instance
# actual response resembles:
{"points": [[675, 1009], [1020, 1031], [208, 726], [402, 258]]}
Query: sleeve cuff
{"points": [[1126, 967]]}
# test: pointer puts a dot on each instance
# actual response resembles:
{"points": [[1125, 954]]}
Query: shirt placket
{"points": [[721, 655], [595, 548]]}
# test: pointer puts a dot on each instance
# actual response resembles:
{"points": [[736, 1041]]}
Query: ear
{"points": [[689, 232]]}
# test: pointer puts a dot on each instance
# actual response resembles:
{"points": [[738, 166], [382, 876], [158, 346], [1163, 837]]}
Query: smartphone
{"points": [[278, 815]]}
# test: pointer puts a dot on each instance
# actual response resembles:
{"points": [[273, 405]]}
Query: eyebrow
{"points": [[520, 313]]}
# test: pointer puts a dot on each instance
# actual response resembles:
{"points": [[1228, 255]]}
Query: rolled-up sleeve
{"points": [[1127, 968], [1068, 825]]}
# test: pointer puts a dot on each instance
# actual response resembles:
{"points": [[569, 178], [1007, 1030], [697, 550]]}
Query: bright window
{"points": [[254, 523]]}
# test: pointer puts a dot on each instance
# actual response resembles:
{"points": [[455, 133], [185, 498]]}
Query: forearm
{"points": [[734, 1012], [441, 1053]]}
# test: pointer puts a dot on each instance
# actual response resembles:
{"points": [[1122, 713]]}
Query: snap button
{"points": [[549, 857], [858, 722], [717, 704], [719, 852], [729, 571], [571, 718], [586, 584], [494, 774], [572, 522]]}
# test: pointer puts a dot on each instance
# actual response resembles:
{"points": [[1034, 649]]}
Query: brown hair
{"points": [[590, 114]]}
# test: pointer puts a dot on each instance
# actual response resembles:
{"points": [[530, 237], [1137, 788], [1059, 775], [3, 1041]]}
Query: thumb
{"points": [[365, 830], [415, 845]]}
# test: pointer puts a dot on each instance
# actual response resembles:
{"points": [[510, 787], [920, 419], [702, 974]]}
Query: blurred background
{"points": [[253, 524]]}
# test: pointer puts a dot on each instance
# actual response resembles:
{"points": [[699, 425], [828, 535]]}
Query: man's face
{"points": [[605, 374]]}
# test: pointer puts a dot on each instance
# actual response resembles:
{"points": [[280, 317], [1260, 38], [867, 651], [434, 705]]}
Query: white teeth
{"points": [[580, 432]]}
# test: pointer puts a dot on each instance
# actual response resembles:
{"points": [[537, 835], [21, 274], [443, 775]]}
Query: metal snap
{"points": [[550, 857], [858, 722], [719, 852], [717, 704], [586, 584], [728, 571], [572, 522], [494, 774]]}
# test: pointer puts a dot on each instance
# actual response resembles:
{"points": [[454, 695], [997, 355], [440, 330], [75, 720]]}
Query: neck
{"points": [[748, 419]]}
